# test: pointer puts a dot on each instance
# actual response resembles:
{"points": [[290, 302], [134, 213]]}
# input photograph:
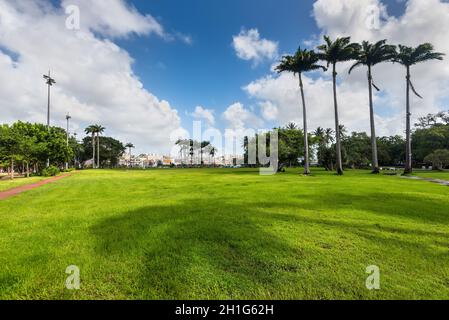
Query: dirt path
{"points": [[13, 192]]}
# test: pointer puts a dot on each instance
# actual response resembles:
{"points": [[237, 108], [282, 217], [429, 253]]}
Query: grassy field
{"points": [[226, 234], [9, 184], [443, 175]]}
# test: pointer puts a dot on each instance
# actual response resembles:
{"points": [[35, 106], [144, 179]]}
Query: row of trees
{"points": [[430, 146], [26, 147], [368, 55], [190, 149]]}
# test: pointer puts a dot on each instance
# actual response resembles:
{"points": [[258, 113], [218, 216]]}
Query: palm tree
{"points": [[183, 145], [98, 130], [191, 151], [130, 146], [92, 130], [408, 56], [203, 145], [302, 61], [291, 126], [333, 52], [369, 55], [213, 152]]}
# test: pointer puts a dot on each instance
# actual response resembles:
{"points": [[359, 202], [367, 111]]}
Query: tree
{"points": [[98, 131], [31, 145], [28, 149], [9, 147], [340, 50], [130, 146], [391, 150], [110, 151], [439, 159], [183, 145], [408, 56], [356, 149], [203, 145], [213, 151], [425, 141], [302, 61], [370, 55], [290, 146], [92, 130], [191, 151]]}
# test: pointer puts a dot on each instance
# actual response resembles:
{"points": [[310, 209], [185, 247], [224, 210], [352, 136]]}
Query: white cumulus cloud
{"points": [[422, 21], [238, 117], [201, 113], [95, 80], [250, 46]]}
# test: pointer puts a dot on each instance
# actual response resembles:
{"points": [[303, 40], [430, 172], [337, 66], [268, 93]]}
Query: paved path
{"points": [[438, 181], [13, 192]]}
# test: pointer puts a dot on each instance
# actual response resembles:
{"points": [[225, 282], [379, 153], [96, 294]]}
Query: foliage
{"points": [[303, 61], [110, 151], [290, 146], [409, 56], [368, 54], [33, 144], [340, 50], [51, 171], [439, 159]]}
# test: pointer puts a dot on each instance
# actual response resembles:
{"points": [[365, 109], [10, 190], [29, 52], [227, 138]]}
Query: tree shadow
{"points": [[175, 243], [217, 248]]}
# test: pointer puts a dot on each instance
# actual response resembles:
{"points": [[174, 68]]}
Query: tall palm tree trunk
{"points": [[98, 150], [375, 161], [306, 135], [408, 147], [93, 150], [337, 125]]}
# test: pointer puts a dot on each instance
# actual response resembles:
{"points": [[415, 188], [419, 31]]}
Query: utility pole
{"points": [[67, 117], [50, 82]]}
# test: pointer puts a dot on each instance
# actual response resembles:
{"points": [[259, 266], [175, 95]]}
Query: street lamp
{"points": [[67, 117], [50, 82]]}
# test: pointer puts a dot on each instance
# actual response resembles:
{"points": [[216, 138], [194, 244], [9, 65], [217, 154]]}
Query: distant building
{"points": [[151, 160]]}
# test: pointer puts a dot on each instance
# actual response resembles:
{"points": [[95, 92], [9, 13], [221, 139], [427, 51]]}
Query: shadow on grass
{"points": [[178, 242], [217, 249]]}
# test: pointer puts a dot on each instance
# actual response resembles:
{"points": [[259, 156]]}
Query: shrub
{"points": [[50, 171]]}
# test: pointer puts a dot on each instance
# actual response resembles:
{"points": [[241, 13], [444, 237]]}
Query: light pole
{"points": [[67, 117], [50, 82]]}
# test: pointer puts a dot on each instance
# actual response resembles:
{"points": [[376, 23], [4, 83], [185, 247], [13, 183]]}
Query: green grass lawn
{"points": [[443, 175], [226, 234], [17, 182]]}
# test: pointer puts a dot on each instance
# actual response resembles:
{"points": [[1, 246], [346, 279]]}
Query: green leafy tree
{"points": [[439, 159]]}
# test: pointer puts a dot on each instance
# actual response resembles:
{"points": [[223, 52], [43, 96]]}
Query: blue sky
{"points": [[140, 68], [208, 72]]}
